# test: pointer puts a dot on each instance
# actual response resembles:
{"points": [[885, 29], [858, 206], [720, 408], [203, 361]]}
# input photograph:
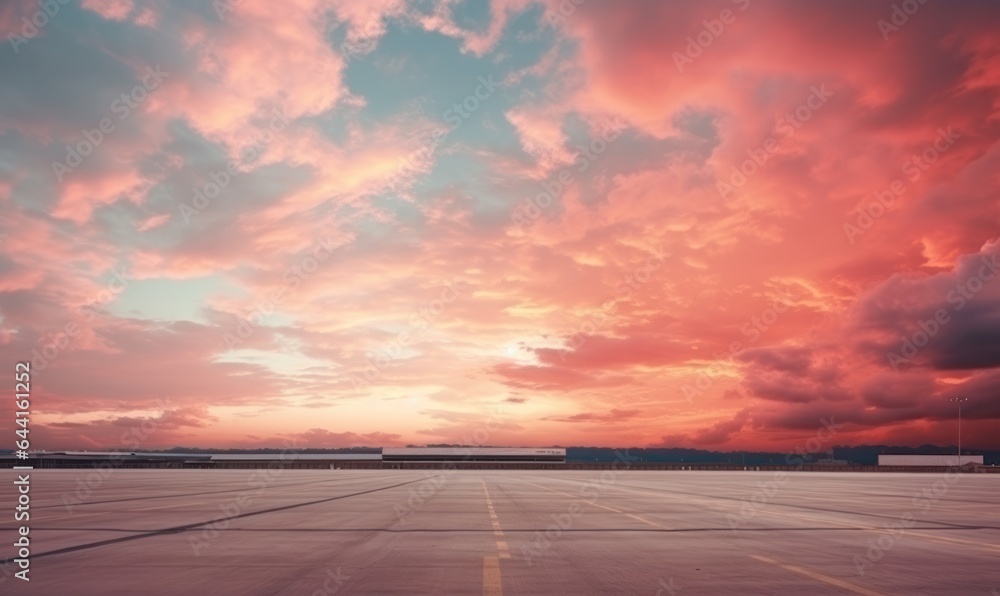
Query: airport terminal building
{"points": [[458, 455], [390, 458]]}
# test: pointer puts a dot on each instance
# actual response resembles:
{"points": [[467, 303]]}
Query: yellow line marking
{"points": [[901, 532], [491, 577], [986, 545], [783, 514], [818, 576], [502, 550], [632, 515]]}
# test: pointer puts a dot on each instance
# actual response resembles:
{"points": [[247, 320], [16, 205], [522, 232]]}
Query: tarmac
{"points": [[322, 532]]}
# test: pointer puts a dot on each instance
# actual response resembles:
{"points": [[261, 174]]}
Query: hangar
{"points": [[885, 459], [474, 454], [422, 457]]}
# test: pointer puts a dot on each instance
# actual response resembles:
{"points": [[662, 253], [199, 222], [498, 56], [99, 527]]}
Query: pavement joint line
{"points": [[942, 558], [881, 530], [887, 530], [167, 506], [818, 576], [858, 501], [705, 499], [855, 526], [215, 492], [74, 516], [191, 526], [632, 515], [578, 482], [986, 545]]}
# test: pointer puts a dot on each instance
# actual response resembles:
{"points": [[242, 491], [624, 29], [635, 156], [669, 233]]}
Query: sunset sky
{"points": [[691, 224]]}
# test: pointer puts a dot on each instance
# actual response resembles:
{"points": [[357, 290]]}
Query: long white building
{"points": [[474, 454], [928, 460]]}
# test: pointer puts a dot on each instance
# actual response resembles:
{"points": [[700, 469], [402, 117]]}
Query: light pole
{"points": [[959, 401]]}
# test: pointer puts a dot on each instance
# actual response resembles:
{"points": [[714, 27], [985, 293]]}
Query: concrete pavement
{"points": [[505, 532]]}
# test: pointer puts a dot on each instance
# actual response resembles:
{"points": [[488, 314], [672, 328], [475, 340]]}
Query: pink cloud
{"points": [[115, 10]]}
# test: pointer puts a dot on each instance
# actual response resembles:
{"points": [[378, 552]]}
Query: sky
{"points": [[326, 223]]}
